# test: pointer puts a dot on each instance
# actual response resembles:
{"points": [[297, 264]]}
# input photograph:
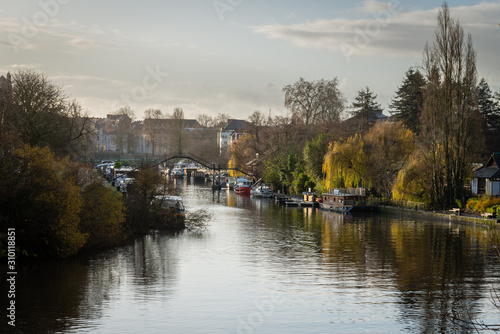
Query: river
{"points": [[263, 268]]}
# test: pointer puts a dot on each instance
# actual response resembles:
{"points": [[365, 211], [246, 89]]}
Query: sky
{"points": [[229, 56]]}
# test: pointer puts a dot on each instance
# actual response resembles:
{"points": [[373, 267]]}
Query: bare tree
{"points": [[122, 131], [41, 115], [315, 101], [450, 117], [208, 121], [80, 131], [177, 131], [153, 127]]}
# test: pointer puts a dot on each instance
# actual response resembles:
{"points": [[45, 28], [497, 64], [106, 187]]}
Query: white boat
{"points": [[261, 191], [169, 203], [177, 172]]}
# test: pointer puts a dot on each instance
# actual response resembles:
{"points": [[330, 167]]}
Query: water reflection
{"points": [[337, 272], [438, 269]]}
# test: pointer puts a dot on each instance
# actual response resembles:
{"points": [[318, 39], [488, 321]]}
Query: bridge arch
{"points": [[211, 166]]}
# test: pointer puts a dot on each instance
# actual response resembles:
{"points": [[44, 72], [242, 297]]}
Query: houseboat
{"points": [[243, 186], [340, 200]]}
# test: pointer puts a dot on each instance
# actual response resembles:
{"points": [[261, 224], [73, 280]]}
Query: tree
{"points": [[256, 121], [208, 121], [314, 153], [122, 128], [388, 147], [41, 115], [80, 135], [450, 118], [145, 200], [279, 169], [153, 127], [366, 109], [177, 132], [102, 216], [345, 164], [40, 199], [407, 105], [412, 183], [287, 137], [489, 107], [315, 101]]}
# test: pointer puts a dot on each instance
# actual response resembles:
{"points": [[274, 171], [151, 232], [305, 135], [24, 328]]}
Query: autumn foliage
{"points": [[57, 207]]}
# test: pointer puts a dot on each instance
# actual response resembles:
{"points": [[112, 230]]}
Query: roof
{"points": [[491, 170], [494, 160], [235, 124], [167, 122], [487, 173]]}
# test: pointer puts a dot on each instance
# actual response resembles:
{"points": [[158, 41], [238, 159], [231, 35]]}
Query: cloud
{"points": [[373, 6], [384, 29], [25, 66]]}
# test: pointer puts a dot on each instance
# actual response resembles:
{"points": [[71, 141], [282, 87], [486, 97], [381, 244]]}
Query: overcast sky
{"points": [[229, 56]]}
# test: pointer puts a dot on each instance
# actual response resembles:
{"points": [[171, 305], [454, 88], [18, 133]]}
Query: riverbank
{"points": [[445, 215]]}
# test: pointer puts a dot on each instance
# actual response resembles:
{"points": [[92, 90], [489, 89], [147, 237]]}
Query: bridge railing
{"points": [[203, 162]]}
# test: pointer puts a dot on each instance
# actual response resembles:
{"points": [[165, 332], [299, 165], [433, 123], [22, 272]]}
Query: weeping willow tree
{"points": [[412, 183], [345, 164], [233, 163]]}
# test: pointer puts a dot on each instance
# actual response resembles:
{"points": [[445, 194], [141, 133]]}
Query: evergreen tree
{"points": [[407, 105], [366, 109], [488, 106]]}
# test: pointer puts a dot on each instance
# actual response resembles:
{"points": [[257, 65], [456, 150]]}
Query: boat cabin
{"points": [[343, 200]]}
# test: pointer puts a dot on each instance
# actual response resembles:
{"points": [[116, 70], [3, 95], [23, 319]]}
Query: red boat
{"points": [[243, 186]]}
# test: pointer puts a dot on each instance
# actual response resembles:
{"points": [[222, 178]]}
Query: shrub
{"points": [[483, 204], [472, 203], [102, 216]]}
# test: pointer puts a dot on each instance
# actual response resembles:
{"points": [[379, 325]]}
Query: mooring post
{"points": [[213, 175]]}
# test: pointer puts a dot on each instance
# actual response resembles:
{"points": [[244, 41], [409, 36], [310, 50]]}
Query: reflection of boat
{"points": [[341, 201], [243, 186], [261, 190]]}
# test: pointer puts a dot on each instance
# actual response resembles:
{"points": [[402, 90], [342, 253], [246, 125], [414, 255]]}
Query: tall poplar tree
{"points": [[450, 119]]}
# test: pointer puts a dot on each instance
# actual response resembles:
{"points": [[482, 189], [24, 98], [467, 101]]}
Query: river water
{"points": [[263, 268]]}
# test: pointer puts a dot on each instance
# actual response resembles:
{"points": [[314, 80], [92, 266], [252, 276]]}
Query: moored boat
{"points": [[341, 201], [243, 186], [169, 204], [262, 191]]}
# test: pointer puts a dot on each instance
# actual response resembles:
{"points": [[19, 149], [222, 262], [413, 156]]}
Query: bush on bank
{"points": [[484, 204], [59, 208]]}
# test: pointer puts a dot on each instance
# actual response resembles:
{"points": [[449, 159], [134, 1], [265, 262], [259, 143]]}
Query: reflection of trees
{"points": [[47, 294], [56, 296], [154, 263], [438, 269]]}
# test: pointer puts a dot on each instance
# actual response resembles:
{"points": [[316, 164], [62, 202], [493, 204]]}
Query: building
{"points": [[229, 134], [119, 134], [486, 180], [104, 138]]}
